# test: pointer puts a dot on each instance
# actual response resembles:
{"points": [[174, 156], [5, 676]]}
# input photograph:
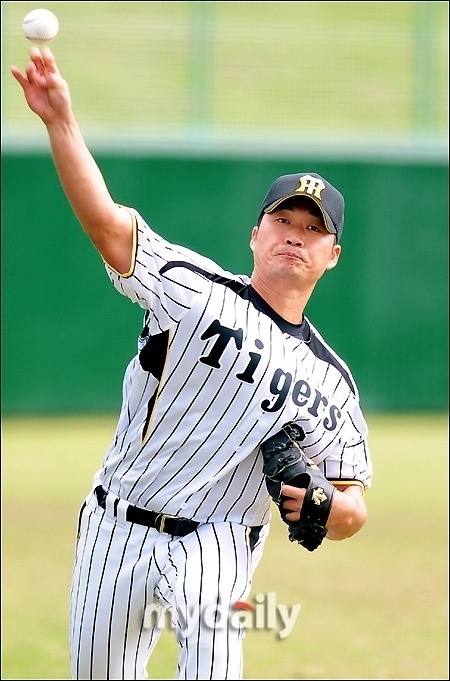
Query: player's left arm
{"points": [[348, 511]]}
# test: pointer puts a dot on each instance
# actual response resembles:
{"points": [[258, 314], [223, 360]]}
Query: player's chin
{"points": [[292, 273]]}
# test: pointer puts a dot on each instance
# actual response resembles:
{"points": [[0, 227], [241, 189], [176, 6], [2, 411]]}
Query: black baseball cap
{"points": [[312, 186]]}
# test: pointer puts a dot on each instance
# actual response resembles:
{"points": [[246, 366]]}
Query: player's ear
{"points": [[253, 236], [336, 252]]}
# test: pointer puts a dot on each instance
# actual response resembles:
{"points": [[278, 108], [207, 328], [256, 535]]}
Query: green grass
{"points": [[302, 69], [372, 607]]}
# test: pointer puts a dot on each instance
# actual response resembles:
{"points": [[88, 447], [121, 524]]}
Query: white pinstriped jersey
{"points": [[216, 373]]}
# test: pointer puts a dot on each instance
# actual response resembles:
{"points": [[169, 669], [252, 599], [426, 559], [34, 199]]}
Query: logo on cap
{"points": [[311, 185]]}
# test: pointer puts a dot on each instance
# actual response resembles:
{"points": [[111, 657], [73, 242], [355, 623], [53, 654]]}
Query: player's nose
{"points": [[294, 241]]}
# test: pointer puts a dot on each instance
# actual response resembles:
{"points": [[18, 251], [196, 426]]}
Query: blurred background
{"points": [[191, 110]]}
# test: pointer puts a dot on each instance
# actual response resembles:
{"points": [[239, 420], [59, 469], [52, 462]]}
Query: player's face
{"points": [[294, 245]]}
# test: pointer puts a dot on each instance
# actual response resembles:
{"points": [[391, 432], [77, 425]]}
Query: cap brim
{"points": [[326, 218]]}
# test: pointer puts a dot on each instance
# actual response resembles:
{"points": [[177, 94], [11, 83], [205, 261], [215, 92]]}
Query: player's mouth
{"points": [[291, 255]]}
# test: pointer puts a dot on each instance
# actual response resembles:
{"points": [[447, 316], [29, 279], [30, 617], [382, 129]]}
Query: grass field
{"points": [[301, 69], [372, 607]]}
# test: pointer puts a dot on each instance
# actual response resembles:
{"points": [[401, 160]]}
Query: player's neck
{"points": [[289, 304]]}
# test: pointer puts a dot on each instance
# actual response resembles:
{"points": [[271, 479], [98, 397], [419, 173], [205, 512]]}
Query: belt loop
{"points": [[121, 511], [96, 483], [111, 505]]}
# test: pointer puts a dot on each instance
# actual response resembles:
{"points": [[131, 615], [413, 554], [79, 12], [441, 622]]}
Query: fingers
{"points": [[30, 70], [43, 53], [41, 70], [293, 492], [43, 60], [34, 72], [35, 53], [291, 517], [18, 76], [42, 57], [40, 60], [291, 502], [47, 55], [45, 90]]}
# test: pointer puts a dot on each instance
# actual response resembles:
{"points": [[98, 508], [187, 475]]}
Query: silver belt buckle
{"points": [[160, 522]]}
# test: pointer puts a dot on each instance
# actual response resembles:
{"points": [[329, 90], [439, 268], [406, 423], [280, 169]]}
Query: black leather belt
{"points": [[167, 524]]}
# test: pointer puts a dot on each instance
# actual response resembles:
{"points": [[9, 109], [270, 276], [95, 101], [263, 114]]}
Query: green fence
{"points": [[67, 334]]}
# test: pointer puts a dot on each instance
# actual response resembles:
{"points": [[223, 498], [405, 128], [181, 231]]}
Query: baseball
{"points": [[40, 25]]}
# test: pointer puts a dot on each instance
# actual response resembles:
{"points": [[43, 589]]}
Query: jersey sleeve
{"points": [[342, 451], [349, 464], [164, 278], [347, 459]]}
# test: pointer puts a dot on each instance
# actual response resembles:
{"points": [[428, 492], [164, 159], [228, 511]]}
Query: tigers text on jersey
{"points": [[216, 373]]}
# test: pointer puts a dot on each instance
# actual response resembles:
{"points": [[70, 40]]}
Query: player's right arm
{"points": [[108, 225]]}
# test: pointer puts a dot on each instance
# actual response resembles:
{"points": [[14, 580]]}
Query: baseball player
{"points": [[232, 401]]}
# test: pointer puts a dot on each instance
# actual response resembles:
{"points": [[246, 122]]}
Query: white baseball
{"points": [[40, 25]]}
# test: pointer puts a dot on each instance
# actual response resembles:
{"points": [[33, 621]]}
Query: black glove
{"points": [[285, 462]]}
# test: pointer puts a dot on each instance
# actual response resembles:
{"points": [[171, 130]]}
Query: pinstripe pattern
{"points": [[121, 568], [187, 439], [216, 373]]}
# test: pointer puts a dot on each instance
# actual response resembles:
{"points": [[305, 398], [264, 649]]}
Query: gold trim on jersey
{"points": [[348, 483], [133, 249]]}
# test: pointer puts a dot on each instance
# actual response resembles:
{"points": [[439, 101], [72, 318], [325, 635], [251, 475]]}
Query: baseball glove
{"points": [[285, 462]]}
